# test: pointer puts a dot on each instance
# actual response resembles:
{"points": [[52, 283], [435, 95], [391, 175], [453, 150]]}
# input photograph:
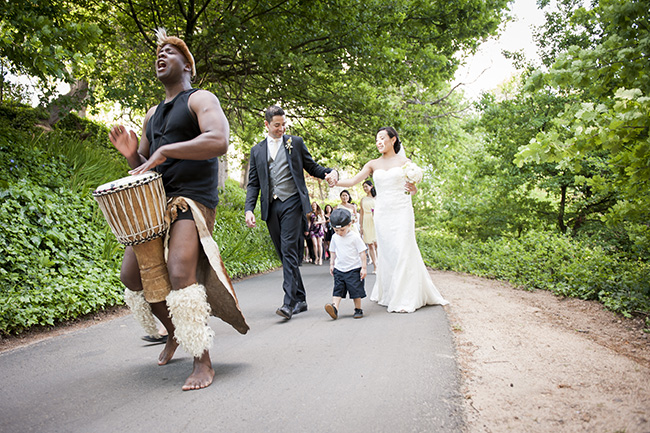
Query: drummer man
{"points": [[182, 138]]}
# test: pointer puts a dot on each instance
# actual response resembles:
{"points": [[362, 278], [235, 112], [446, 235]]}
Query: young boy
{"points": [[347, 264]]}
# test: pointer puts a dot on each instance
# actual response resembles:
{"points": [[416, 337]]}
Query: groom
{"points": [[276, 175]]}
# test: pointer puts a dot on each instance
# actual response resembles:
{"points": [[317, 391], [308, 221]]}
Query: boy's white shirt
{"points": [[347, 249]]}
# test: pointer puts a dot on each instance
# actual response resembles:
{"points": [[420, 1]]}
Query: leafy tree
{"points": [[610, 120], [328, 61], [530, 195], [563, 28], [492, 195], [47, 38]]}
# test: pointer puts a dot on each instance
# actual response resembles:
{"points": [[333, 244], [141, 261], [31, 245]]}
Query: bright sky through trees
{"points": [[488, 68]]}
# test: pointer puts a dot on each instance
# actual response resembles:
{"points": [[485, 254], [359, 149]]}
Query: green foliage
{"points": [[564, 28], [536, 194], [244, 251], [47, 39], [49, 261], [330, 63], [326, 61], [58, 260], [472, 186], [607, 119], [58, 257], [321, 54], [86, 130], [21, 116], [489, 216], [549, 261]]}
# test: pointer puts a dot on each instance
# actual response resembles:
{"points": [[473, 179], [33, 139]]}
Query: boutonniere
{"points": [[288, 145]]}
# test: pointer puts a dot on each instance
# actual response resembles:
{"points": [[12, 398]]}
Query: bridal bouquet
{"points": [[412, 173]]}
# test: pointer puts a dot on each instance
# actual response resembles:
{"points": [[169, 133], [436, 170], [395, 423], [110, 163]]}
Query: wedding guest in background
{"points": [[367, 208], [328, 231], [307, 245], [317, 232], [346, 204]]}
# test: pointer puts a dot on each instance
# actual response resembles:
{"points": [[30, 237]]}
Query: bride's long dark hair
{"points": [[392, 133]]}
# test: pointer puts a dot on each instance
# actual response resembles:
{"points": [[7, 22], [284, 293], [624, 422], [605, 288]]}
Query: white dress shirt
{"points": [[274, 145]]}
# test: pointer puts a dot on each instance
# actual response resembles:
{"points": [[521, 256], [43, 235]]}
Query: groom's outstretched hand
{"points": [[250, 219], [332, 178]]}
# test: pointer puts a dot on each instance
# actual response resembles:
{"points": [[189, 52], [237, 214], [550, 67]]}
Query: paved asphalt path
{"points": [[385, 372]]}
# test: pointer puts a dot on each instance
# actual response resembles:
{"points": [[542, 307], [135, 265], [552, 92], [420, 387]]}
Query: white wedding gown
{"points": [[403, 283]]}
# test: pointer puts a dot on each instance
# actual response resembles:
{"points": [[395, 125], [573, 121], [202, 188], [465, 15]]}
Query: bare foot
{"points": [[168, 352], [202, 374]]}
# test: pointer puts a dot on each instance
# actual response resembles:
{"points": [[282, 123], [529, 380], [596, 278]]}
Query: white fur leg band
{"points": [[190, 311], [141, 311]]}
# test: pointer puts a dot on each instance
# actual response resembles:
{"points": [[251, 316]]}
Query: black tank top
{"points": [[171, 123]]}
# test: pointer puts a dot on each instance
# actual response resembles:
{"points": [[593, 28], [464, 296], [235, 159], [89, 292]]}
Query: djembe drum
{"points": [[134, 208]]}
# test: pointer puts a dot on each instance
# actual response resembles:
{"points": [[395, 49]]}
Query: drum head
{"points": [[127, 182]]}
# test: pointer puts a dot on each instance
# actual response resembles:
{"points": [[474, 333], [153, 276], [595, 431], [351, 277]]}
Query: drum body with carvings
{"points": [[134, 208]]}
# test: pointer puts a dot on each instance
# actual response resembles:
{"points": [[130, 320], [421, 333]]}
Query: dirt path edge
{"points": [[534, 362]]}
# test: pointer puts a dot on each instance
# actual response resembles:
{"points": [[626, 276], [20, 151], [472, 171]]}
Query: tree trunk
{"points": [[223, 171], [62, 105], [2, 82], [320, 190], [560, 216], [577, 224], [243, 182]]}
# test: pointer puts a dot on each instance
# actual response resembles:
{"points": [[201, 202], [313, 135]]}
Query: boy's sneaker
{"points": [[358, 313], [332, 311]]}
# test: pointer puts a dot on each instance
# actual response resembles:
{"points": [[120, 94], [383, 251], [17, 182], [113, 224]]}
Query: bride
{"points": [[403, 283]]}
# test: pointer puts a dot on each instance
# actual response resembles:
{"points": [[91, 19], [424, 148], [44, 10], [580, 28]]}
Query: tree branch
{"points": [[250, 17], [134, 17], [181, 8]]}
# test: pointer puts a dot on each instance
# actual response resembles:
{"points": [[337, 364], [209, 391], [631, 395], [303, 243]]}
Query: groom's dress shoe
{"points": [[300, 307], [284, 311]]}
